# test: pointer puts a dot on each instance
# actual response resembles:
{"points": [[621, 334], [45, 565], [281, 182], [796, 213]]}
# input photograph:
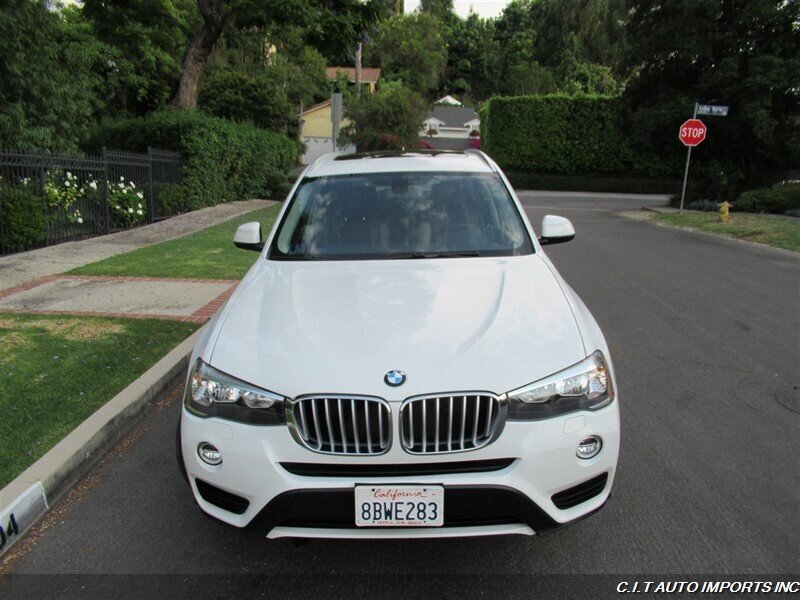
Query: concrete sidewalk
{"points": [[26, 267]]}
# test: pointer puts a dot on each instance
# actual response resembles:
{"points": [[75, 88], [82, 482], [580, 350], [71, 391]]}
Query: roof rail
{"points": [[482, 155], [328, 156]]}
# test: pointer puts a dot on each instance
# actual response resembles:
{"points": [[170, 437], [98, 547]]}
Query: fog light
{"points": [[590, 447], [209, 454]]}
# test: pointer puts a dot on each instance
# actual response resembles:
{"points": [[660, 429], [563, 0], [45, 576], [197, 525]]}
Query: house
{"points": [[316, 127], [449, 127], [369, 75]]}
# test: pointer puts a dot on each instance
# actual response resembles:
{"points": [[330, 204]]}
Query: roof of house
{"points": [[368, 74], [452, 116], [449, 100], [317, 106]]}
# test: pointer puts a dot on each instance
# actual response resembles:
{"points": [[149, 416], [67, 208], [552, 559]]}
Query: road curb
{"points": [[27, 498]]}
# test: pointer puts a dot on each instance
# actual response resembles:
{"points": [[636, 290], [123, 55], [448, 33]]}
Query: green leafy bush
{"points": [[778, 199], [23, 217], [223, 161], [556, 134], [389, 119]]}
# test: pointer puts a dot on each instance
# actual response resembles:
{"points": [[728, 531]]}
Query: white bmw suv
{"points": [[401, 361]]}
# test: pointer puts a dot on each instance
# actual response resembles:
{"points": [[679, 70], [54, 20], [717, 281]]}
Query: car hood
{"points": [[459, 324]]}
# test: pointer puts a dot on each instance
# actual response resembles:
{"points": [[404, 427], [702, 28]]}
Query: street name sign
{"points": [[713, 110]]}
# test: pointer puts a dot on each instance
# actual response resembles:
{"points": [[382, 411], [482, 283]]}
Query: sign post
{"points": [[692, 133]]}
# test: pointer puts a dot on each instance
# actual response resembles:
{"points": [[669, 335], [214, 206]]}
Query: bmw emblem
{"points": [[394, 378]]}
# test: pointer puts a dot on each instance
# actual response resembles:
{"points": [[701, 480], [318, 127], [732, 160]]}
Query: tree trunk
{"points": [[198, 51]]}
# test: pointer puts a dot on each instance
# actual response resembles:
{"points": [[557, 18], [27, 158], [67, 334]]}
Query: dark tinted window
{"points": [[401, 215]]}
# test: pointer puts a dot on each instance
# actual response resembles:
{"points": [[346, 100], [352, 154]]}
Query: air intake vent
{"points": [[581, 492], [350, 425], [457, 423], [221, 498]]}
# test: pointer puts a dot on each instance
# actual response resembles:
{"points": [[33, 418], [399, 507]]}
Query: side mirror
{"points": [[556, 230], [248, 237]]}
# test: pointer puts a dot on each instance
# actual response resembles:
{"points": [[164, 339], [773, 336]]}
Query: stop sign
{"points": [[692, 132]]}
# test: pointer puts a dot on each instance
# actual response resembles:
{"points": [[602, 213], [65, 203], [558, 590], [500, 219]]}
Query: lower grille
{"points": [[457, 423], [357, 425], [221, 499], [581, 492], [403, 470]]}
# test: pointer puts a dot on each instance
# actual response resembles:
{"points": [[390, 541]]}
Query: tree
{"points": [[473, 62], [578, 42], [337, 21], [390, 118], [266, 87], [741, 53], [49, 93], [146, 39], [411, 49]]}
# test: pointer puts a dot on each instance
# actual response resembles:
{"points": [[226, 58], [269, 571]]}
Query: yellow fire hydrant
{"points": [[724, 211]]}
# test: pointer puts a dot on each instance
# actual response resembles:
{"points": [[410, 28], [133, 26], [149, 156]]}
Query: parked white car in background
{"points": [[402, 360]]}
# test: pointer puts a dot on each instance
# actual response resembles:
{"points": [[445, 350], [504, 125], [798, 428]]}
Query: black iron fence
{"points": [[47, 199]]}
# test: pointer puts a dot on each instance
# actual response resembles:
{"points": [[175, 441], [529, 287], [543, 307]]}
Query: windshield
{"points": [[401, 215]]}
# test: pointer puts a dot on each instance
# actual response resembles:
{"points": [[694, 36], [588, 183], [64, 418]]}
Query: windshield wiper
{"points": [[462, 254]]}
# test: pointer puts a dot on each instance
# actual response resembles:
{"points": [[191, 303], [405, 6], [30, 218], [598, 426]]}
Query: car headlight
{"points": [[583, 386], [212, 393]]}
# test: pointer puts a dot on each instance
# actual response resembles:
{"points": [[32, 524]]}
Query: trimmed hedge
{"points": [[594, 182], [778, 199], [23, 220], [556, 134], [223, 160]]}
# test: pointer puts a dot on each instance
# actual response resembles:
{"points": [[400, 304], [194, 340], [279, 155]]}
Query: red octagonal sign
{"points": [[692, 132]]}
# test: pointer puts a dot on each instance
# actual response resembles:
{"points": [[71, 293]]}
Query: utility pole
{"points": [[358, 70]]}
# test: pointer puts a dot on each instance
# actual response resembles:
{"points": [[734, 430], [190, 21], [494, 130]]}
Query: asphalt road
{"points": [[705, 335]]}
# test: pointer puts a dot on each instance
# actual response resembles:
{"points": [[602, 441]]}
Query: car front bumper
{"points": [[266, 498]]}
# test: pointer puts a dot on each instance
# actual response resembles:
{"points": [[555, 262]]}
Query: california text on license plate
{"points": [[399, 506]]}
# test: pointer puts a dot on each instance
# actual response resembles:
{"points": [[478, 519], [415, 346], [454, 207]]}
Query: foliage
{"points": [[593, 182], [205, 254], [62, 192], [223, 160], [741, 53], [777, 199], [142, 42], [472, 58], [411, 49], [259, 99], [704, 205], [48, 91], [556, 133], [128, 207], [245, 83], [23, 217], [560, 45], [335, 25], [391, 118]]}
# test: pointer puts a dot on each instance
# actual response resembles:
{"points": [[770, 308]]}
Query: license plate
{"points": [[399, 506]]}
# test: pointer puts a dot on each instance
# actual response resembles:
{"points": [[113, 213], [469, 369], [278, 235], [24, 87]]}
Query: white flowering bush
{"points": [[126, 202], [62, 191]]}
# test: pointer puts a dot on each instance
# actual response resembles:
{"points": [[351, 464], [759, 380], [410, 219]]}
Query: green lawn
{"points": [[779, 233], [206, 254], [56, 371]]}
